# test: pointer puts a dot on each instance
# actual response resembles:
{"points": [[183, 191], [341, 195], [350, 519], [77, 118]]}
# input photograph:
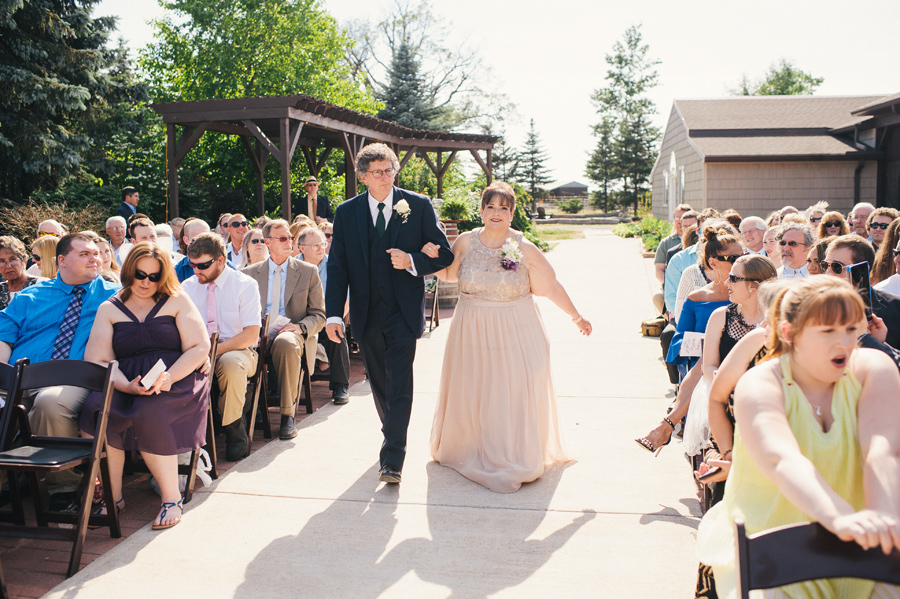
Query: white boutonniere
{"points": [[402, 210], [511, 255]]}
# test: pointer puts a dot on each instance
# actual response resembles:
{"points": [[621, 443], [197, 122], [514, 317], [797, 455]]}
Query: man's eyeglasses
{"points": [[140, 275], [735, 279], [45, 233], [315, 245], [832, 224], [836, 267], [235, 225], [202, 265], [257, 240], [389, 172], [282, 239], [792, 244], [881, 226], [731, 259]]}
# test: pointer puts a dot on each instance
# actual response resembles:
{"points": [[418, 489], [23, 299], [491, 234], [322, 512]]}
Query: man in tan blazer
{"points": [[289, 288]]}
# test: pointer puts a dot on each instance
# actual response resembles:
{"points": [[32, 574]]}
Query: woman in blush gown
{"points": [[496, 421]]}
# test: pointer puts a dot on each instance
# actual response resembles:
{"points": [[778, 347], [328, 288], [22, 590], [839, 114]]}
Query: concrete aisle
{"points": [[308, 518]]}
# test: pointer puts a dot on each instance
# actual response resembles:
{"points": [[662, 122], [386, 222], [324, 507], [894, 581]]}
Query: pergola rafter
{"points": [[278, 125]]}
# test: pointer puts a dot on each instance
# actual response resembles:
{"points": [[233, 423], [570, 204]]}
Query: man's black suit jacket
{"points": [[348, 262], [124, 210], [323, 207], [887, 307]]}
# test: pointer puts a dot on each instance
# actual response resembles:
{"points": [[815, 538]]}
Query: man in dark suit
{"points": [[377, 253], [313, 204], [853, 249], [128, 208]]}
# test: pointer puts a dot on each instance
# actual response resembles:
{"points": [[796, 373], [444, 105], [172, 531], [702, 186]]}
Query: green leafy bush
{"points": [[571, 206], [456, 209], [650, 229]]}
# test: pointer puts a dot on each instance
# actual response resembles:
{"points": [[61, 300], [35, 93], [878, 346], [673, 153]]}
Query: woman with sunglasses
{"points": [[816, 255], [886, 257], [327, 230], [720, 251], [832, 223], [150, 320], [254, 248], [43, 254]]}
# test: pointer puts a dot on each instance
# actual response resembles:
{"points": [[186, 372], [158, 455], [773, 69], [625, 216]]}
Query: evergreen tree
{"points": [[602, 167], [505, 160], [53, 58], [407, 99], [533, 159], [782, 79]]}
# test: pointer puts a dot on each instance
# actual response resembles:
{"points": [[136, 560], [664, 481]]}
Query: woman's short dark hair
{"points": [[502, 191], [11, 244], [168, 282]]}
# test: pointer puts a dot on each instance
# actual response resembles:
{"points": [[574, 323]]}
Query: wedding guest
{"points": [[733, 218], [892, 283], [832, 224], [328, 231], [177, 224], [884, 266], [192, 227], [222, 225], [253, 249], [816, 438], [166, 240], [858, 218], [878, 222], [141, 229], [289, 289], [117, 230], [688, 222], [815, 213], [312, 247], [52, 321], [261, 222], [668, 242], [237, 229], [793, 217], [300, 224], [314, 205], [109, 268], [229, 301], [128, 207], [816, 255], [770, 245], [149, 321], [794, 239], [773, 220], [682, 260], [50, 227], [698, 275], [752, 229], [43, 254], [788, 210], [13, 257]]}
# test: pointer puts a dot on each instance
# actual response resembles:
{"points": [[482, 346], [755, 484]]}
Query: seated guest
{"points": [[300, 224], [222, 225], [192, 227], [150, 320], [878, 222], [815, 213], [733, 217], [327, 230], [794, 239], [109, 268], [229, 300], [859, 217], [13, 258], [853, 249], [50, 227], [832, 224], [688, 221], [291, 289], [788, 210], [254, 248], [753, 228], [117, 230], [816, 255], [816, 438], [43, 254], [668, 242], [681, 261], [237, 229], [793, 218], [52, 321], [892, 283], [697, 275], [884, 266], [177, 224], [770, 245], [261, 222], [773, 220], [142, 229], [166, 240], [312, 246]]}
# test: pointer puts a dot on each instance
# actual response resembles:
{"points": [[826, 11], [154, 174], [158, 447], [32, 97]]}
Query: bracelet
{"points": [[579, 319], [724, 455], [669, 422]]}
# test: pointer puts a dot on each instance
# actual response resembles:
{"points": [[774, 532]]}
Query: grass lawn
{"points": [[551, 233]]}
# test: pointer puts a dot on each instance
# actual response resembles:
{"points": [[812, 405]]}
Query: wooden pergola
{"points": [[278, 125]]}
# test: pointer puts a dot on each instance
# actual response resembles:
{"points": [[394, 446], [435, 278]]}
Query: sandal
{"points": [[101, 511], [646, 444], [166, 506]]}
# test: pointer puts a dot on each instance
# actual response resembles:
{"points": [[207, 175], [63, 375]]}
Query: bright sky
{"points": [[549, 57]]}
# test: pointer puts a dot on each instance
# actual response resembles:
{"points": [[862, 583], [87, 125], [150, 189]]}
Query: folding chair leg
{"points": [[211, 445], [115, 528], [192, 476], [15, 492], [260, 410], [4, 594], [37, 499]]}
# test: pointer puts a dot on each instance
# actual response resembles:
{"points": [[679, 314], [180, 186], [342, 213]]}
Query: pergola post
{"points": [[172, 169], [486, 168], [440, 169], [285, 169], [351, 144]]}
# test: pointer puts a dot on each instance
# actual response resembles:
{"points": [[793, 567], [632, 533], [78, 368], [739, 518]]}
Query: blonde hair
{"points": [[45, 247]]}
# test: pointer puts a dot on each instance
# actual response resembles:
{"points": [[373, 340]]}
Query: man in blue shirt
{"points": [[44, 322]]}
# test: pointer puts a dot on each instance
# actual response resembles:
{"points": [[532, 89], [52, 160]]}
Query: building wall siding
{"points": [[675, 140]]}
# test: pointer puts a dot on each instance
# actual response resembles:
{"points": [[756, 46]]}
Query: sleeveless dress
{"points": [[170, 423], [753, 497], [496, 420]]}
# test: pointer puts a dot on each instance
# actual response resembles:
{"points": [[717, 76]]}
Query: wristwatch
{"points": [[303, 328]]}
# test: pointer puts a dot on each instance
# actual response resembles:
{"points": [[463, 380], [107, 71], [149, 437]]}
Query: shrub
{"points": [[22, 221], [456, 208], [571, 206], [650, 229]]}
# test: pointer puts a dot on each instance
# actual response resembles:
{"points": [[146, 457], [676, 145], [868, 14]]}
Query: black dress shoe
{"points": [[288, 430], [390, 475], [340, 395], [237, 442]]}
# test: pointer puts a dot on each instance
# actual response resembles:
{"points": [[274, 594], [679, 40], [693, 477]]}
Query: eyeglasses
{"points": [[235, 225], [896, 253], [881, 226], [389, 172], [329, 235], [833, 223], [202, 266], [315, 245], [140, 275], [257, 240], [282, 239], [731, 258], [45, 233], [35, 257], [792, 244], [813, 219], [735, 279], [836, 267]]}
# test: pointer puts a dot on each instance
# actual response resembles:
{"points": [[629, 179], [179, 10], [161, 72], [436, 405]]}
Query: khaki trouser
{"points": [[287, 351], [233, 368], [54, 412]]}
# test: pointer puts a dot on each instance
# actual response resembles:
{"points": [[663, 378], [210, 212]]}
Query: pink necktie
{"points": [[212, 324]]}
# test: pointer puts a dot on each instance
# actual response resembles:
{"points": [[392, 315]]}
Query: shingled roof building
{"points": [[758, 153]]}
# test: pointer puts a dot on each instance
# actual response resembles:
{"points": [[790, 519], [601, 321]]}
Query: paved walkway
{"points": [[308, 518]]}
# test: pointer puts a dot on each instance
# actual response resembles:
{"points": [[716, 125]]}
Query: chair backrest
{"points": [[72, 373], [802, 552]]}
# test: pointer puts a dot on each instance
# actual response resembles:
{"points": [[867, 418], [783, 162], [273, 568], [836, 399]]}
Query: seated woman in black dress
{"points": [[149, 320]]}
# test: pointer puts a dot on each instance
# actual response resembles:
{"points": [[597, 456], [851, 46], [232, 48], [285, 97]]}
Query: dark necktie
{"points": [[63, 344], [379, 222]]}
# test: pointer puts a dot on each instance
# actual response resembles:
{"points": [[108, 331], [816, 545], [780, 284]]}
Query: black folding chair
{"points": [[40, 455], [259, 410], [9, 380], [4, 594], [802, 552]]}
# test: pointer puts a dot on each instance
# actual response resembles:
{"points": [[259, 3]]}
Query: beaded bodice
{"points": [[482, 275]]}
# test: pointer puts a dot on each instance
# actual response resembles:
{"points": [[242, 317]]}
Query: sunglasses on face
{"points": [[257, 240], [792, 244], [140, 275], [813, 219], [202, 266], [882, 226], [896, 253], [836, 267], [46, 233], [731, 259], [35, 257], [328, 235], [735, 279], [235, 225], [282, 239], [833, 223]]}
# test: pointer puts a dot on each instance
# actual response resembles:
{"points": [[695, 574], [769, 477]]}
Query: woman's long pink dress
{"points": [[496, 420]]}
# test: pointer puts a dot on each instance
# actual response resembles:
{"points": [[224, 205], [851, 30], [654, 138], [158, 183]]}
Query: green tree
{"points": [[627, 111], [505, 160], [406, 99], [533, 163], [53, 61], [602, 166], [782, 79]]}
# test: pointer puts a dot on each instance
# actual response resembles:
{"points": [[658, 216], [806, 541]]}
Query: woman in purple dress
{"points": [[150, 320]]}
